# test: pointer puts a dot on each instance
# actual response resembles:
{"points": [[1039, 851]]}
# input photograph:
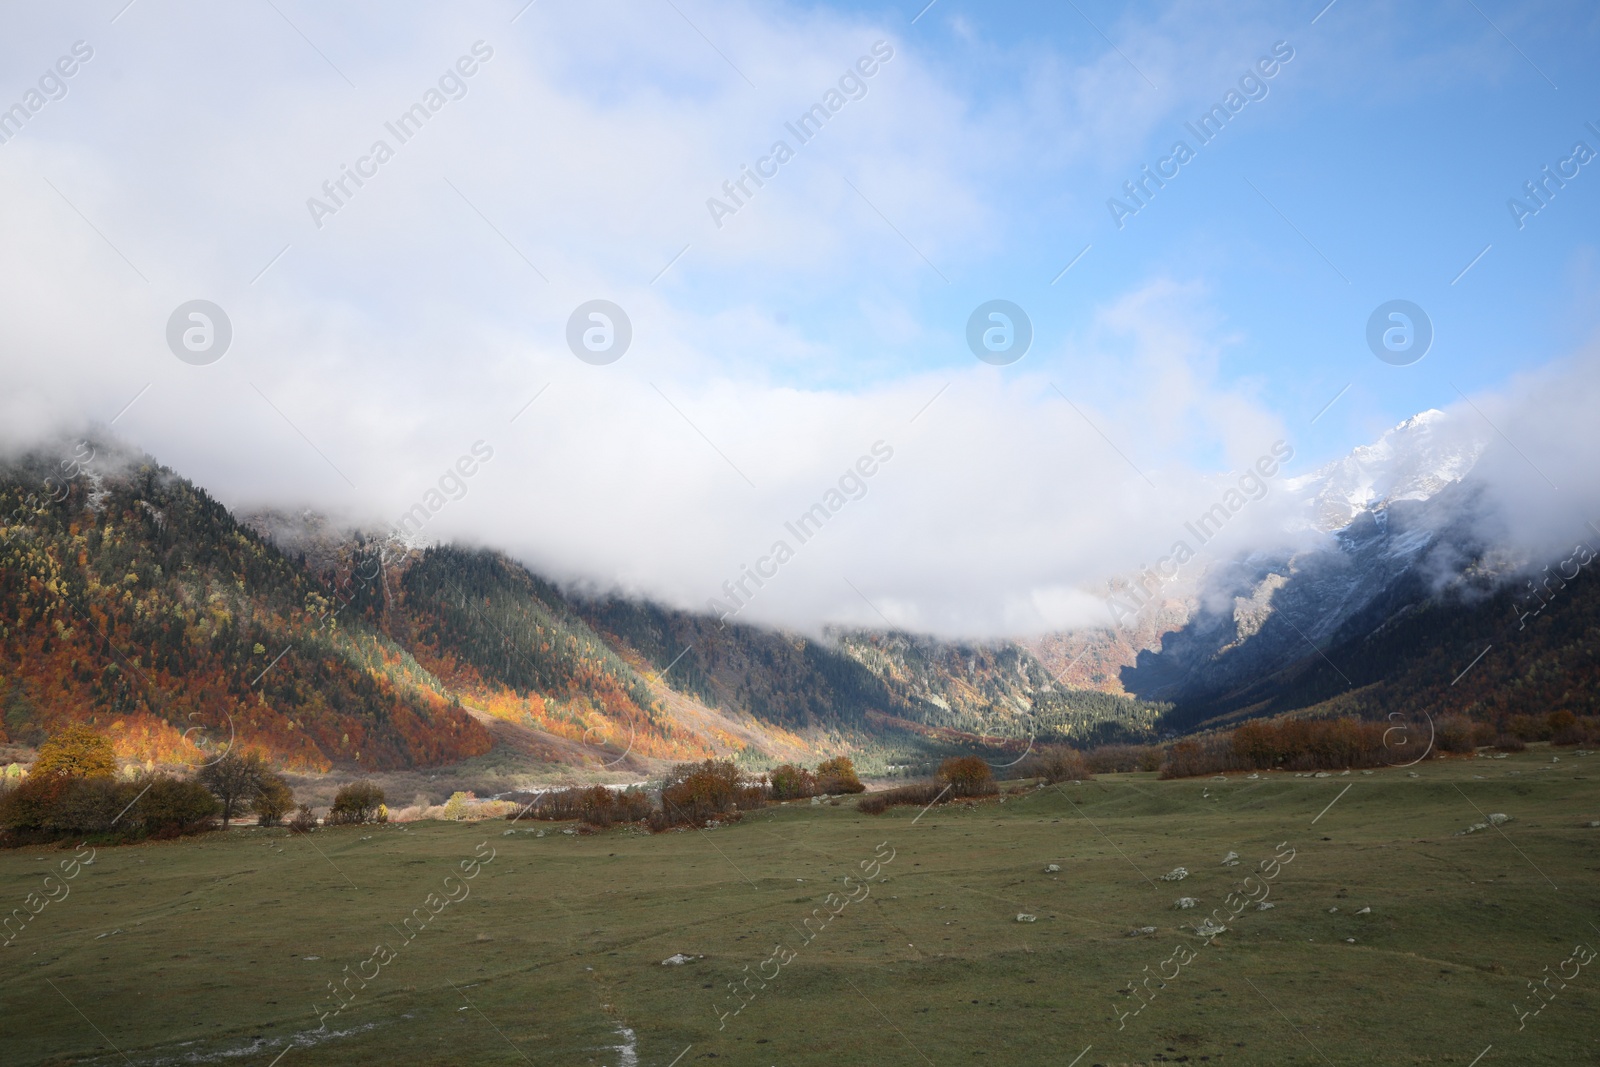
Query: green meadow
{"points": [[222, 949]]}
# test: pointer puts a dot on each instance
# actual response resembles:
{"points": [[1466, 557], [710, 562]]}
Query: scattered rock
{"points": [[1252, 777], [1142, 931], [1220, 778], [1185, 902], [1053, 868], [1365, 911], [539, 833], [1498, 818], [1231, 859], [1322, 774], [311, 957], [1413, 774], [1024, 917], [1177, 874], [1366, 772], [1265, 905], [1594, 824], [570, 830], [678, 959], [1332, 910], [1207, 928]]}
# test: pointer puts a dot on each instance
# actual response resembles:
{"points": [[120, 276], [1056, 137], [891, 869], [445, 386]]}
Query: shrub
{"points": [[968, 776], [1564, 729], [694, 794], [304, 821], [57, 806], [76, 752], [356, 803], [1454, 734], [1510, 743], [920, 794], [1484, 734], [1185, 760], [838, 775], [594, 806], [274, 800], [1528, 728], [1058, 763], [791, 782], [172, 806]]}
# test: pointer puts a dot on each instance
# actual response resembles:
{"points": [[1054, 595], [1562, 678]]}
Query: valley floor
{"points": [[964, 948]]}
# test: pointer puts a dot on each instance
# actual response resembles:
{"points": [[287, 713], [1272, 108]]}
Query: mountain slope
{"points": [[133, 601]]}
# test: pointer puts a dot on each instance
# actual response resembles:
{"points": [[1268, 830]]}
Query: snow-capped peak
{"points": [[1411, 461]]}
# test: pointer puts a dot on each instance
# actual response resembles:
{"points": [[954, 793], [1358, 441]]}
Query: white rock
{"points": [[1350, 940], [1177, 874], [1498, 818], [1253, 777], [1207, 928], [1413, 774], [677, 959], [1322, 774], [1053, 868], [1142, 931], [1024, 917], [1185, 902], [1366, 772], [1364, 911], [1265, 905], [1231, 859]]}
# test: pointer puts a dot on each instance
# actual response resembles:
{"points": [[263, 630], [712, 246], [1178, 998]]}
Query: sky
{"points": [[786, 337]]}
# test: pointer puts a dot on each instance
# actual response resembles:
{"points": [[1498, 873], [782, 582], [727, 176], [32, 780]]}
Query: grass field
{"points": [[216, 949]]}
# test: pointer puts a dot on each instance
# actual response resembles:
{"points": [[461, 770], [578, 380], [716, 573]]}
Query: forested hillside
{"points": [[133, 601]]}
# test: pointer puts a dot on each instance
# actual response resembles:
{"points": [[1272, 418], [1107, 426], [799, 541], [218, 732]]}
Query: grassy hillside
{"points": [[220, 947]]}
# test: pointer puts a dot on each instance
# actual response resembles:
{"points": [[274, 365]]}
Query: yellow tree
{"points": [[76, 752]]}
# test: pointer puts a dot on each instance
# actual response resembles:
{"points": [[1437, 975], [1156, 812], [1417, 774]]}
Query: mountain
{"points": [[1408, 585], [1413, 461], [133, 601]]}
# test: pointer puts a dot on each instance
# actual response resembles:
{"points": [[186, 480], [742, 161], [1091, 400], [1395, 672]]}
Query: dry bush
{"points": [[1529, 728], [968, 776], [595, 806], [920, 794], [695, 794], [304, 821], [1058, 763], [1564, 728], [1454, 734], [838, 775], [357, 803], [792, 782], [1510, 743]]}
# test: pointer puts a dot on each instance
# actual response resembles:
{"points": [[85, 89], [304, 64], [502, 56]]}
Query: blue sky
{"points": [[375, 344]]}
